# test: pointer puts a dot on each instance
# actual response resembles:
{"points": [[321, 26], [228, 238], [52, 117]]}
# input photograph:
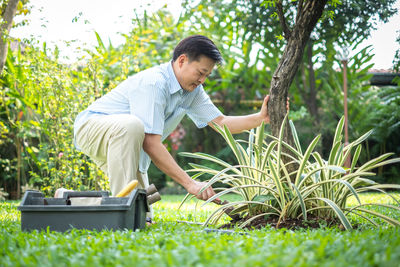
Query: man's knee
{"points": [[134, 127]]}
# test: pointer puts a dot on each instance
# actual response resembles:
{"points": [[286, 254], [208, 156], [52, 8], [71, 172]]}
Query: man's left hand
{"points": [[264, 109]]}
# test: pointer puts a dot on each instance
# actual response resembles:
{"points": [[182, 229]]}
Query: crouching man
{"points": [[123, 131]]}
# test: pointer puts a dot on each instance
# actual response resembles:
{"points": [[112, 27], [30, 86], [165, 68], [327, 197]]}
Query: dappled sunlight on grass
{"points": [[167, 210], [374, 198], [9, 212]]}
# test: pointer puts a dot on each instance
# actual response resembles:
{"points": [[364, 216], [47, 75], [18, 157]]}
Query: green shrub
{"points": [[316, 189]]}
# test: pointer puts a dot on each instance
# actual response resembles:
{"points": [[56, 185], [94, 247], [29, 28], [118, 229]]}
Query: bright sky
{"points": [[60, 22]]}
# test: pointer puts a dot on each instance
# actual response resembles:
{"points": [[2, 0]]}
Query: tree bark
{"points": [[5, 28], [308, 14], [284, 75]]}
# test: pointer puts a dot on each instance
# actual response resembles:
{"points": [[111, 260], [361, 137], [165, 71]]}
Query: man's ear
{"points": [[181, 59]]}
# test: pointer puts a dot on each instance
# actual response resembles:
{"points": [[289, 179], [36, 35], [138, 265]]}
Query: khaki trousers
{"points": [[114, 142]]}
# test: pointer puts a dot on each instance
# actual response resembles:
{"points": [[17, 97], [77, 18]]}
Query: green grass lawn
{"points": [[169, 243]]}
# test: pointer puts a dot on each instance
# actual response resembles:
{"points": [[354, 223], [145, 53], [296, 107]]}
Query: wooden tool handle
{"points": [[153, 198], [127, 189], [151, 190]]}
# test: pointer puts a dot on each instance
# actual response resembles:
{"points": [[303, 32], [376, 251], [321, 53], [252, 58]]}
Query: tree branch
{"points": [[299, 10], [285, 28]]}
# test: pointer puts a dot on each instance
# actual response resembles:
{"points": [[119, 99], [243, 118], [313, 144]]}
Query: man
{"points": [[123, 130]]}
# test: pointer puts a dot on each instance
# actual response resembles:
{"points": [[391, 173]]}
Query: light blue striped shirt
{"points": [[157, 99]]}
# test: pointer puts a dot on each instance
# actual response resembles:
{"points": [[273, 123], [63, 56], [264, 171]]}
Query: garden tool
{"points": [[227, 211], [127, 189], [151, 192]]}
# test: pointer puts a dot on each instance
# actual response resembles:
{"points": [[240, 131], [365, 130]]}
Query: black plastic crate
{"points": [[114, 213]]}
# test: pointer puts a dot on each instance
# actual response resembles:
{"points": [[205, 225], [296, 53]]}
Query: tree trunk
{"points": [[308, 14], [5, 28]]}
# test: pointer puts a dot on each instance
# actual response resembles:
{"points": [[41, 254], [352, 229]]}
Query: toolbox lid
{"points": [[35, 201]]}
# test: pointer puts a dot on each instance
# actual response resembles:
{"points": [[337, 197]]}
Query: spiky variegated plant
{"points": [[317, 189]]}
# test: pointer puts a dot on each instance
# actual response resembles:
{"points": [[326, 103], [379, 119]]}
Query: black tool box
{"points": [[61, 214]]}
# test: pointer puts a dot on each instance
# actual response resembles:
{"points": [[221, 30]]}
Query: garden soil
{"points": [[292, 224]]}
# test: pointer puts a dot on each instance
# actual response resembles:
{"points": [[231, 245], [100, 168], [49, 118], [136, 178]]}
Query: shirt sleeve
{"points": [[202, 110], [147, 102]]}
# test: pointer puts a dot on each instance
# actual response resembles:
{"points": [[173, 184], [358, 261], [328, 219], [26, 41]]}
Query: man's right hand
{"points": [[195, 187], [165, 162]]}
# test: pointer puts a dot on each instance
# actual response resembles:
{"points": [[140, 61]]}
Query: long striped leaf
{"points": [[268, 152], [338, 212], [281, 132], [187, 197], [295, 137], [361, 139], [277, 181], [231, 204], [289, 147], [199, 155], [217, 177], [351, 188], [234, 145], [201, 168], [347, 150], [355, 158], [364, 217], [333, 154], [372, 163], [333, 168], [383, 186], [239, 209], [321, 163], [381, 191], [260, 137], [380, 215], [386, 162], [339, 129], [306, 158], [256, 217], [233, 189], [250, 148], [302, 204], [197, 175]]}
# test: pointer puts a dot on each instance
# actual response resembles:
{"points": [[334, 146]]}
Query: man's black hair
{"points": [[195, 46]]}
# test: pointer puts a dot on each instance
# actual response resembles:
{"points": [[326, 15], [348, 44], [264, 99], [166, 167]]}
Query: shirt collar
{"points": [[174, 84]]}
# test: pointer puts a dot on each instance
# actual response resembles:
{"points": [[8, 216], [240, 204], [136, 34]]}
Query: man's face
{"points": [[193, 73]]}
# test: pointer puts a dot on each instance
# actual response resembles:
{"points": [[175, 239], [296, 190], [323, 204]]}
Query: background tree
{"points": [[248, 31], [352, 23], [396, 60], [7, 16]]}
